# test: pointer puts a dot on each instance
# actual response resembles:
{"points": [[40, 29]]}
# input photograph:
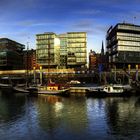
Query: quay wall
{"points": [[63, 75], [78, 91], [58, 75]]}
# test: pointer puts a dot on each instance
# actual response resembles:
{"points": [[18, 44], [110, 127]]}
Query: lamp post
{"points": [[115, 79], [34, 75], [41, 75], [129, 67], [136, 72], [124, 62], [27, 65]]}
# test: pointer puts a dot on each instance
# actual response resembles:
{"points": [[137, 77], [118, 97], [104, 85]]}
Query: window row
{"points": [[77, 35], [135, 28], [78, 50], [76, 45], [45, 51], [77, 40], [46, 42], [129, 43], [128, 34], [128, 38], [43, 47], [80, 59], [125, 48], [45, 36]]}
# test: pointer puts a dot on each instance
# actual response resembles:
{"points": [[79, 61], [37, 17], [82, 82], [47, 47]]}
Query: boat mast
{"points": [[27, 65]]}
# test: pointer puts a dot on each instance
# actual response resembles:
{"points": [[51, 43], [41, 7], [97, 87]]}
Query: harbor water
{"points": [[72, 118]]}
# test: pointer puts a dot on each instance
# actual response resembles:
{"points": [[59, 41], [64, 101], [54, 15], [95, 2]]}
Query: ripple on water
{"points": [[69, 118]]}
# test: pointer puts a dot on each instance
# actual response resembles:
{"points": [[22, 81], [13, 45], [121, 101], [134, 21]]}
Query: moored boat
{"points": [[17, 89], [110, 90], [50, 89], [12, 84]]}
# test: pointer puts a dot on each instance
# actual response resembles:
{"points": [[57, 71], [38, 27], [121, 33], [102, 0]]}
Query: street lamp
{"points": [[34, 75], [41, 75], [136, 72], [129, 67]]}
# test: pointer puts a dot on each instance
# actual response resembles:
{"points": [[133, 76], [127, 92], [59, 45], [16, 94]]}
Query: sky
{"points": [[21, 20]]}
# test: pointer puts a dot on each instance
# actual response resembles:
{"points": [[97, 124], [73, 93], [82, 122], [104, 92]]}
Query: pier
{"points": [[78, 90]]}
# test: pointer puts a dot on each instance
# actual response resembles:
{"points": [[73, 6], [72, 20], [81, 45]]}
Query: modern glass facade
{"points": [[123, 45], [45, 49], [76, 49], [11, 54], [65, 50]]}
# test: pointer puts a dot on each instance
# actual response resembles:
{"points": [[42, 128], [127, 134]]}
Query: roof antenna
{"points": [[134, 18]]}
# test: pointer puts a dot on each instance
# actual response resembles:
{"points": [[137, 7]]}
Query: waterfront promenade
{"points": [[86, 76]]}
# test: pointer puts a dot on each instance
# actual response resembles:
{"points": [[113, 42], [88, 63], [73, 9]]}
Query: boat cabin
{"points": [[50, 87], [53, 87], [113, 89]]}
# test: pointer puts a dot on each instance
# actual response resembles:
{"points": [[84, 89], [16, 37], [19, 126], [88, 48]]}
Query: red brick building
{"points": [[30, 59], [92, 60]]}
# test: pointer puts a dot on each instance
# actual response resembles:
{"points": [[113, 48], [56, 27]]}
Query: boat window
{"points": [[109, 89], [116, 88]]}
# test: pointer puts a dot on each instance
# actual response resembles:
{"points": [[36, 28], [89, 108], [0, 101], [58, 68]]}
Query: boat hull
{"points": [[63, 92], [36, 91], [20, 90], [97, 93]]}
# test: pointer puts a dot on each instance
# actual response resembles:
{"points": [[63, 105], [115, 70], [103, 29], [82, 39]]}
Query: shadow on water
{"points": [[11, 106], [123, 117], [137, 103]]}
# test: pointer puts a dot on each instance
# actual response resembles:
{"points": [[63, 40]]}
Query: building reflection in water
{"points": [[53, 117], [123, 117], [97, 126], [11, 107], [57, 113]]}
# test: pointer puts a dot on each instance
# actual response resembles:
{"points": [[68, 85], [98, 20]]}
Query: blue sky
{"points": [[21, 20]]}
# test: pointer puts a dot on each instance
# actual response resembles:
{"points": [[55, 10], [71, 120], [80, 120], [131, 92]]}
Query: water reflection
{"points": [[97, 126], [137, 103], [123, 117], [11, 107], [69, 115], [58, 118]]}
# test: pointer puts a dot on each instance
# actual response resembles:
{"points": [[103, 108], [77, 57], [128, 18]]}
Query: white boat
{"points": [[74, 82], [20, 90], [110, 90], [12, 84], [114, 89]]}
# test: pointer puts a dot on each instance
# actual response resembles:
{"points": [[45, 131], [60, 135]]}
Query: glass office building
{"points": [[76, 49], [62, 51], [123, 45], [45, 50], [11, 54]]}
